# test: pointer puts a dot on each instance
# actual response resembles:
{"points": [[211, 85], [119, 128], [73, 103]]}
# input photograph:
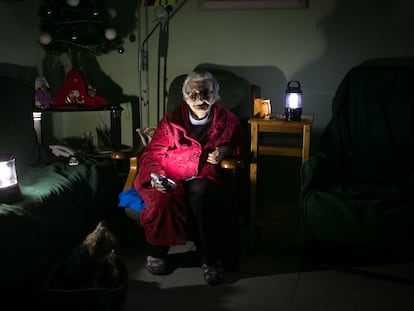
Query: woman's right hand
{"points": [[162, 184], [160, 188]]}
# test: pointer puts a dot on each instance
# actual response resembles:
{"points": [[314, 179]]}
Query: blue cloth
{"points": [[131, 198]]}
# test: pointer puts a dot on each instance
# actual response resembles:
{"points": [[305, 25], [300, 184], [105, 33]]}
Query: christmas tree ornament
{"points": [[110, 33], [162, 13], [132, 38], [49, 11], [73, 3], [45, 38]]}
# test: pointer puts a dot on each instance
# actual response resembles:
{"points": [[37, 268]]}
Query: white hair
{"points": [[199, 78]]}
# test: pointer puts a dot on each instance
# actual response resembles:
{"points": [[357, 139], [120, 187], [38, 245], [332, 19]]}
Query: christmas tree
{"points": [[77, 26]]}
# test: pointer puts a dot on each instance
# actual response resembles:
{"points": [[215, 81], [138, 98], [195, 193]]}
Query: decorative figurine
{"points": [[43, 98], [77, 92]]}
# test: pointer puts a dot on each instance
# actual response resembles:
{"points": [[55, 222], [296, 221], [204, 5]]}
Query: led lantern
{"points": [[9, 186], [293, 107]]}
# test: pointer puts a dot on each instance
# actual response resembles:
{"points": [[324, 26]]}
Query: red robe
{"points": [[176, 152]]}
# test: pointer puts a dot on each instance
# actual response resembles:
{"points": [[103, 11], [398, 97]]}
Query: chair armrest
{"points": [[125, 154], [238, 162], [129, 183], [232, 163], [120, 155], [133, 171]]}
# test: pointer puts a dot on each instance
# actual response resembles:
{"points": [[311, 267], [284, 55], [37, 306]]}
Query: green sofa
{"points": [[358, 185], [61, 204]]}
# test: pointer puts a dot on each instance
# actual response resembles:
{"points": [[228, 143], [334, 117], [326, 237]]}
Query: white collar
{"points": [[203, 121]]}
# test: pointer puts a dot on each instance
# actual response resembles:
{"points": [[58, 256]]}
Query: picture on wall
{"points": [[252, 4]]}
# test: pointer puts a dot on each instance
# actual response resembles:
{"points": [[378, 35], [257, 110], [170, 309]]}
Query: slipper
{"points": [[213, 274], [157, 266]]}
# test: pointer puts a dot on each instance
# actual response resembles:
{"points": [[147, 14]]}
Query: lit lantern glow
{"points": [[8, 176], [293, 107], [9, 187]]}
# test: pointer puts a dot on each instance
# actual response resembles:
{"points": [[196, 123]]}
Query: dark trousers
{"points": [[204, 221]]}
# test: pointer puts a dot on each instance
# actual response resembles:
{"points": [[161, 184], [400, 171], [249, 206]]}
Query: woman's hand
{"points": [[219, 154], [160, 188], [162, 184]]}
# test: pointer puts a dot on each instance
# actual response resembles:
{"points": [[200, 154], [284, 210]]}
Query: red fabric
{"points": [[75, 92], [176, 153]]}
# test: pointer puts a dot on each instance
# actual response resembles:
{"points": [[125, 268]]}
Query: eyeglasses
{"points": [[201, 95]]}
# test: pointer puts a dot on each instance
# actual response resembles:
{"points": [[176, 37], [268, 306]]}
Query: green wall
{"points": [[316, 46]]}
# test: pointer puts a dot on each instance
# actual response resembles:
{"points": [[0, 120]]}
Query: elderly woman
{"points": [[187, 148]]}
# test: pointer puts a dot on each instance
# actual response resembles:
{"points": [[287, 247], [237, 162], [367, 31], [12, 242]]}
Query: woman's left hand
{"points": [[219, 154]]}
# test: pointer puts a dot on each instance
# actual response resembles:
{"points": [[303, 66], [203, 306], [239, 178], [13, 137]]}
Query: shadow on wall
{"points": [[354, 32], [25, 74], [267, 77]]}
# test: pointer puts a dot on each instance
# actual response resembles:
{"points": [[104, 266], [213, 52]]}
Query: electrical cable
{"points": [[160, 36], [163, 38], [164, 87]]}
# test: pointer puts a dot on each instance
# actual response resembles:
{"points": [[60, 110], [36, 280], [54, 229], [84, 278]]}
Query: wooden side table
{"points": [[295, 143]]}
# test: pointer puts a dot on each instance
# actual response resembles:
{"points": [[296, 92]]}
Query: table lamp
{"points": [[9, 186], [293, 107]]}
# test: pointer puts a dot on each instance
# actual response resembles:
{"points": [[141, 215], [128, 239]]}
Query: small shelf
{"points": [[114, 108], [69, 108]]}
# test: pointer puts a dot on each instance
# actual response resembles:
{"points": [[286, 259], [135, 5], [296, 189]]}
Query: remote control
{"points": [[168, 184]]}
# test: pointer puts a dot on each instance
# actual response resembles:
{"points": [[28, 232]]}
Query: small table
{"points": [[292, 140]]}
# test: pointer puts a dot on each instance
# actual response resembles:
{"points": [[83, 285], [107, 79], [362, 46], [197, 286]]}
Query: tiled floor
{"points": [[274, 277], [277, 276]]}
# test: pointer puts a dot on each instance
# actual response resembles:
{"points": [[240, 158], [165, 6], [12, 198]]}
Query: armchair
{"points": [[233, 90], [358, 184], [238, 95]]}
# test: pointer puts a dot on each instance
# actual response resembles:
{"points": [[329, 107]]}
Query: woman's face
{"points": [[200, 99]]}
